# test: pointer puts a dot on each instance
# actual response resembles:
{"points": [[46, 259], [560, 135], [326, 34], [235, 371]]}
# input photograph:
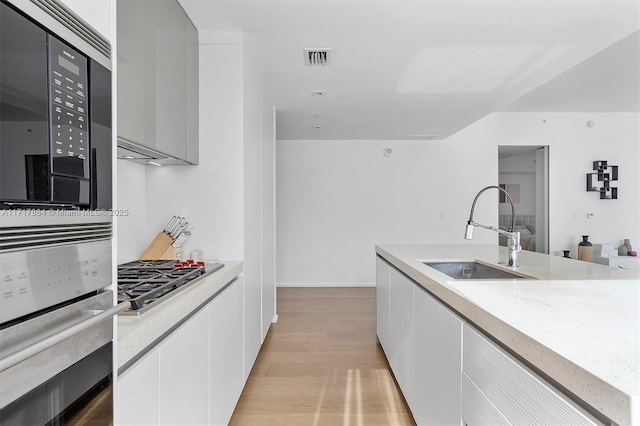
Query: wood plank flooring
{"points": [[321, 365]]}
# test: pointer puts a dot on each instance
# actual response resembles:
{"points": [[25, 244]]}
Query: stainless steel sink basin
{"points": [[471, 271]]}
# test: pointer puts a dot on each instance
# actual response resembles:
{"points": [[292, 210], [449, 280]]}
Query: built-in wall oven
{"points": [[56, 270]]}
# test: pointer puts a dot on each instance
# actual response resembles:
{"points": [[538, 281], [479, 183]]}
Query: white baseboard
{"points": [[275, 319], [325, 284]]}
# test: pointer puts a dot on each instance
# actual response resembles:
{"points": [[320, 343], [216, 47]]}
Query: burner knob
{"points": [[200, 263]]}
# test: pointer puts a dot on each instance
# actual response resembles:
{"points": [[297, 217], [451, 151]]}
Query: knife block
{"points": [[161, 249]]}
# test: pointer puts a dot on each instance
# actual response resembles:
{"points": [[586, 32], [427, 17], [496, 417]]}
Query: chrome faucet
{"points": [[513, 238]]}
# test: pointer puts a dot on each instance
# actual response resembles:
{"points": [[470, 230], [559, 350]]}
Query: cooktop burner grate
{"points": [[144, 283], [148, 264]]}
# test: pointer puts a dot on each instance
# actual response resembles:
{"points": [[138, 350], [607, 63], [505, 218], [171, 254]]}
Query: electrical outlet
{"points": [[591, 215]]}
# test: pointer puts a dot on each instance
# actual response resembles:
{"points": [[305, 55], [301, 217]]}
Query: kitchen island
{"points": [[574, 324]]}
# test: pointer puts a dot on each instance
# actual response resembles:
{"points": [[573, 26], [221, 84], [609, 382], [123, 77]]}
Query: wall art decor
{"points": [[600, 180]]}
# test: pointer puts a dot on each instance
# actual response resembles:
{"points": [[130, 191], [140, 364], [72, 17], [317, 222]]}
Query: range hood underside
{"points": [[128, 150]]}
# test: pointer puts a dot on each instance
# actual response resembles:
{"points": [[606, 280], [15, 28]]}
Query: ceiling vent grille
{"points": [[317, 57], [419, 137]]}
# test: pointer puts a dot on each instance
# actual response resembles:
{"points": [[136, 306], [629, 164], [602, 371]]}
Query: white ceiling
{"points": [[431, 67]]}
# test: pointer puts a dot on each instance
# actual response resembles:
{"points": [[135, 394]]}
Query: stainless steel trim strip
{"points": [[78, 26], [26, 353], [60, 28], [53, 228], [24, 238]]}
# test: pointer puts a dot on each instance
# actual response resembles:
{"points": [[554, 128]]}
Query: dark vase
{"points": [[566, 253], [585, 249]]}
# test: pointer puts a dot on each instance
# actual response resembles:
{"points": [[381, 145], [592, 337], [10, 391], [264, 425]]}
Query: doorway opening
{"points": [[523, 171]]}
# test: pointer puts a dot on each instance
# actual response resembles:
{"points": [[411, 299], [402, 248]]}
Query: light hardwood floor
{"points": [[321, 365]]}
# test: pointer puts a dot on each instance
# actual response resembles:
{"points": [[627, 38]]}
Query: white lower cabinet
{"points": [[399, 351], [226, 379], [184, 367], [450, 373], [195, 375], [477, 410], [422, 341], [437, 350], [138, 392], [518, 393], [382, 301]]}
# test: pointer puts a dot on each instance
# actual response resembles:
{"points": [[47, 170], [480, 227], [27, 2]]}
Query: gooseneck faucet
{"points": [[513, 238]]}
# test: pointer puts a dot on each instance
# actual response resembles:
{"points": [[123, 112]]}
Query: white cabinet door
{"points": [[518, 393], [382, 301], [184, 373], [170, 47], [239, 349], [435, 396], [400, 351], [158, 77], [477, 410], [136, 73], [252, 322], [226, 360], [192, 94], [139, 392]]}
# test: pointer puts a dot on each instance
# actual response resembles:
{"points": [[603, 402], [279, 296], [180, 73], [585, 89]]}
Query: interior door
{"points": [[524, 172]]}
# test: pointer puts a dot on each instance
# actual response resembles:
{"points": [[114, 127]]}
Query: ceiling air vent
{"points": [[316, 57], [419, 137]]}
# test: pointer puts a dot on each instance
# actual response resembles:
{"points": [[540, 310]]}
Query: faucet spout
{"points": [[513, 238]]}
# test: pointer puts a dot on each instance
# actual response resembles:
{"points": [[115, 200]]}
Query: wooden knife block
{"points": [[161, 249]]}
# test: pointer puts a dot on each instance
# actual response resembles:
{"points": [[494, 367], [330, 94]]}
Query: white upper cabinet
{"points": [[158, 78], [192, 92]]}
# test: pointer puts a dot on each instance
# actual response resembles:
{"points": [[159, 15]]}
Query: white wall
{"points": [[131, 196], [573, 146], [337, 199]]}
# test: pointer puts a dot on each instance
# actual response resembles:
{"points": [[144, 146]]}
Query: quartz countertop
{"points": [[137, 334], [576, 322]]}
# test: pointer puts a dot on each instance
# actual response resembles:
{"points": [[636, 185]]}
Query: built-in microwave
{"points": [[55, 116], [56, 303]]}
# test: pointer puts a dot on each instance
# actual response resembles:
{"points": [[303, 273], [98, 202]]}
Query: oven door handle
{"points": [[44, 344]]}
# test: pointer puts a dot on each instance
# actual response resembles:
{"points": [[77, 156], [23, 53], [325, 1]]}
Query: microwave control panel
{"points": [[68, 82]]}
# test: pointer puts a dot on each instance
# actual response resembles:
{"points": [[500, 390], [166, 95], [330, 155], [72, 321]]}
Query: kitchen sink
{"points": [[471, 271]]}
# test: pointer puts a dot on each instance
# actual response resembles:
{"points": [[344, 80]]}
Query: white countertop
{"points": [[578, 322], [137, 333]]}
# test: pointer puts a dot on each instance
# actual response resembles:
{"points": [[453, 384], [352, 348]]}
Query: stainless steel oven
{"points": [[56, 269]]}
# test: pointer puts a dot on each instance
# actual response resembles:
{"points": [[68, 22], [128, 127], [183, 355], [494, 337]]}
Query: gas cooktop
{"points": [[146, 283]]}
